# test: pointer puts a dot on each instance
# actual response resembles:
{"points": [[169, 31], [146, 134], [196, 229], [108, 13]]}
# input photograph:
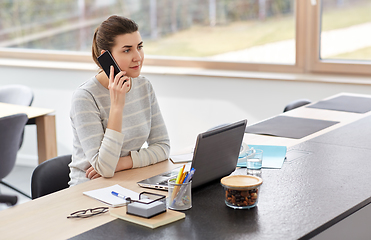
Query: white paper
{"points": [[181, 158], [105, 195]]}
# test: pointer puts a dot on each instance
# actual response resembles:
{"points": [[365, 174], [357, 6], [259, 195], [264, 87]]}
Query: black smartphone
{"points": [[106, 61]]}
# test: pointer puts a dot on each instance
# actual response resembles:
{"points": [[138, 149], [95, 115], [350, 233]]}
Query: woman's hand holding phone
{"points": [[118, 86]]}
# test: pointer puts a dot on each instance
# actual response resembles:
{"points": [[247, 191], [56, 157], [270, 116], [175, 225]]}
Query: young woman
{"points": [[112, 117]]}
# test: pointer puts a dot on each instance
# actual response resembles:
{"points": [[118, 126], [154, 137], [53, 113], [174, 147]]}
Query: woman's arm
{"points": [[158, 140], [123, 164], [101, 147], [117, 90]]}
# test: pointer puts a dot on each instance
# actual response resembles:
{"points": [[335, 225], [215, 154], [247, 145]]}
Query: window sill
{"points": [[160, 70]]}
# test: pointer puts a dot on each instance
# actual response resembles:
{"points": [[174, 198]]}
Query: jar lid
{"points": [[241, 181]]}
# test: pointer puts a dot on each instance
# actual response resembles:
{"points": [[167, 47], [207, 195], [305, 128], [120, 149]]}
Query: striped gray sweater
{"points": [[95, 145]]}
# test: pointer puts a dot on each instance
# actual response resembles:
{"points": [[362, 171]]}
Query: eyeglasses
{"points": [[88, 212]]}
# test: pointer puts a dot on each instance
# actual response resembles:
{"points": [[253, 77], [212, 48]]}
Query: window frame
{"points": [[307, 17], [317, 65]]}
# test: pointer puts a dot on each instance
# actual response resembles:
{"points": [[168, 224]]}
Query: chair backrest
{"points": [[9, 200], [11, 129], [295, 104], [50, 176], [16, 94]]}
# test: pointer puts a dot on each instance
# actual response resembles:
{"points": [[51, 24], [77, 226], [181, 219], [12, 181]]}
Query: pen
{"points": [[177, 181], [189, 176], [118, 195], [183, 177]]}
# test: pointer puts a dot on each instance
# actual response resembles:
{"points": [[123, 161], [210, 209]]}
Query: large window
{"points": [[346, 30], [340, 36], [261, 31], [256, 35]]}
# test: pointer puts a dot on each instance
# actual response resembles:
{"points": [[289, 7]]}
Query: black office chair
{"points": [[50, 176], [9, 200], [11, 128], [297, 103], [20, 95]]}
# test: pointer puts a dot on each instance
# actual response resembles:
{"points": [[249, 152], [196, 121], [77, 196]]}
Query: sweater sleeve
{"points": [[101, 147], [158, 140]]}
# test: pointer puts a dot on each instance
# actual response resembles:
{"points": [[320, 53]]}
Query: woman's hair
{"points": [[106, 33]]}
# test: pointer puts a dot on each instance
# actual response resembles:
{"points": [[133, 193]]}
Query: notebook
{"points": [[215, 156], [105, 195]]}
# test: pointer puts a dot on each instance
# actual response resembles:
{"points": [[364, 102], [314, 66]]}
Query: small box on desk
{"points": [[146, 210], [149, 211]]}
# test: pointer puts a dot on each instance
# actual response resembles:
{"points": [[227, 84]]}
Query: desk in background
{"points": [[292, 204], [45, 124]]}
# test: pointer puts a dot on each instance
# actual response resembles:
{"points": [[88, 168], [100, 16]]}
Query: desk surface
{"points": [[286, 190], [7, 109], [45, 123]]}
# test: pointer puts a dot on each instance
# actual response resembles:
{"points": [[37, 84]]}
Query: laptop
{"points": [[215, 156]]}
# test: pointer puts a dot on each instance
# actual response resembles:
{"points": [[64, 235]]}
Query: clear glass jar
{"points": [[241, 191]]}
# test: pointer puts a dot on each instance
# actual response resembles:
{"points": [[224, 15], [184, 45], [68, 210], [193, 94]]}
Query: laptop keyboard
{"points": [[163, 182]]}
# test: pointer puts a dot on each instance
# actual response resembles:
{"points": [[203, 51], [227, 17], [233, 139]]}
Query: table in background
{"points": [[45, 218], [45, 124]]}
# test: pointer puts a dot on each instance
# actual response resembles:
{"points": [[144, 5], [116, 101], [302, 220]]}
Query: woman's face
{"points": [[128, 53]]}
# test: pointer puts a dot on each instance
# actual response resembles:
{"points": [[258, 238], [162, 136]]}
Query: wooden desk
{"points": [[45, 218], [45, 123]]}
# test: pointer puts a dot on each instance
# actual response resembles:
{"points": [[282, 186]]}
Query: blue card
{"points": [[273, 156]]}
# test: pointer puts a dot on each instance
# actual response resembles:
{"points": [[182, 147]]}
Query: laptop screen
{"points": [[215, 156], [216, 152]]}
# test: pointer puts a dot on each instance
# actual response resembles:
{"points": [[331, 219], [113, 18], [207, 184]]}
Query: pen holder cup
{"points": [[241, 191], [179, 195]]}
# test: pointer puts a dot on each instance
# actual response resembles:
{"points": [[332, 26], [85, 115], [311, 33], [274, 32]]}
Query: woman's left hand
{"points": [[91, 173]]}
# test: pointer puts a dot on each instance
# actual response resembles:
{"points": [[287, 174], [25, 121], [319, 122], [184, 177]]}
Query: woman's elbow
{"points": [[105, 173]]}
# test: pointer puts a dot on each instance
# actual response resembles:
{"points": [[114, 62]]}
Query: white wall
{"points": [[189, 104]]}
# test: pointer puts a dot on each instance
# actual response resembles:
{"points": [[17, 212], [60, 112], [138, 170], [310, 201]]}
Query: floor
{"points": [[20, 178]]}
